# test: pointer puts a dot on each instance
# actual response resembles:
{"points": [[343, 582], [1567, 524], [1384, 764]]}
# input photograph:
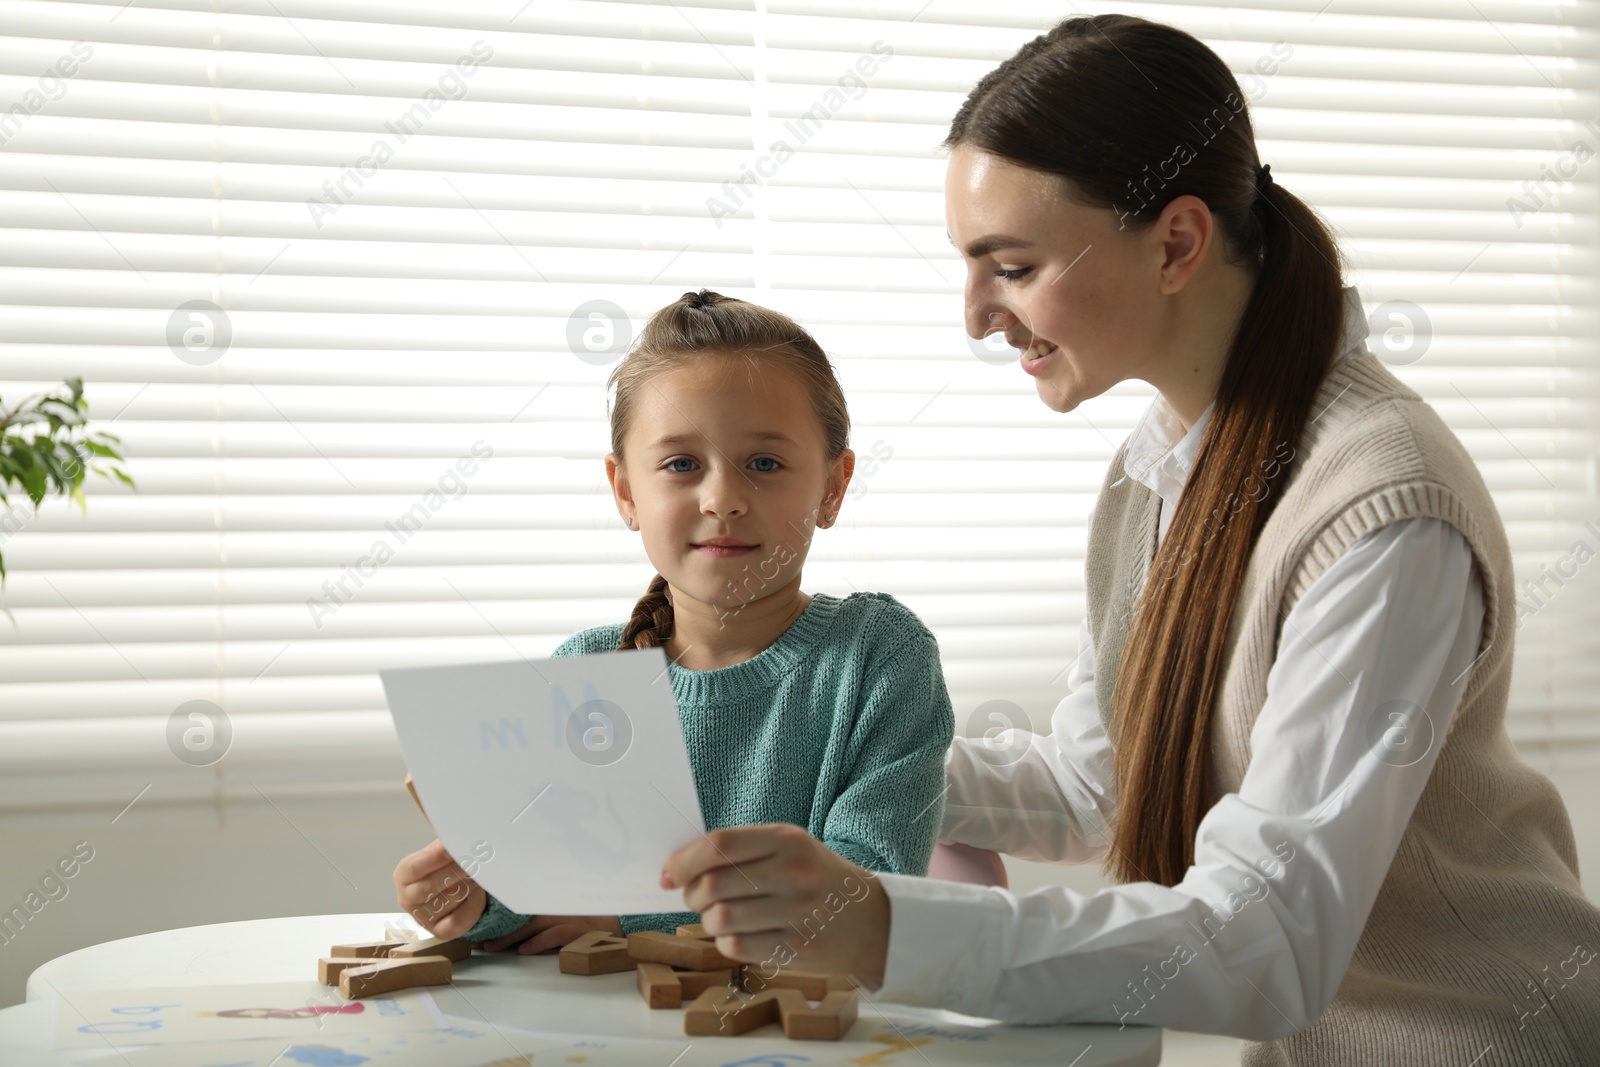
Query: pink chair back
{"points": [[963, 863]]}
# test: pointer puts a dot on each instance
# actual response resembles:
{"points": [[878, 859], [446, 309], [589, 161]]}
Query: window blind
{"points": [[347, 277]]}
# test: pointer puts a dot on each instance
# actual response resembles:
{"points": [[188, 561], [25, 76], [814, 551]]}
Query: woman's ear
{"points": [[617, 475], [844, 466], [1182, 234]]}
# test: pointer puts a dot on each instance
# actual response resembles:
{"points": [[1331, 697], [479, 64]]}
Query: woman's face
{"points": [[1079, 296]]}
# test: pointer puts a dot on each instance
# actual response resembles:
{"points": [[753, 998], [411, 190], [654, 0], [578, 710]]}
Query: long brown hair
{"points": [[1115, 105], [709, 325]]}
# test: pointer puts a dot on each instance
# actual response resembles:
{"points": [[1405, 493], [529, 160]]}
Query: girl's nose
{"points": [[724, 492]]}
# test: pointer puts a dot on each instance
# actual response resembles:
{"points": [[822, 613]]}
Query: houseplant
{"points": [[46, 447]]}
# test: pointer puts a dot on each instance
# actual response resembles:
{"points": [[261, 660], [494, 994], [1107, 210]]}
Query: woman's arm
{"points": [[1038, 797], [1256, 938]]}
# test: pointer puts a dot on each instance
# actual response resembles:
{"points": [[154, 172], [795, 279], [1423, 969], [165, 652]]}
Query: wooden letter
{"points": [[725, 1012], [811, 985], [330, 967], [596, 952], [690, 953], [693, 983], [364, 949], [386, 976], [454, 949], [658, 984], [412, 789], [828, 1021], [663, 987]]}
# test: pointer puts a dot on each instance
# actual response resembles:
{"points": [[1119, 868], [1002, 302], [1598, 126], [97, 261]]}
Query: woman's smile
{"points": [[1036, 357]]}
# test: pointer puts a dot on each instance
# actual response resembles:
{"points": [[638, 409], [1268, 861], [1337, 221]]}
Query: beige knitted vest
{"points": [[1466, 957]]}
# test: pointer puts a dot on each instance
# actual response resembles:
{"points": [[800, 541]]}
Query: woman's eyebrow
{"points": [[994, 242]]}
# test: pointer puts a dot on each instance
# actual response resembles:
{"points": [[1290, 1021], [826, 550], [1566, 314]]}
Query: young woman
{"points": [[729, 450], [1285, 736]]}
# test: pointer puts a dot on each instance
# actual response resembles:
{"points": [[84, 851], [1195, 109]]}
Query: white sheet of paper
{"points": [[560, 785]]}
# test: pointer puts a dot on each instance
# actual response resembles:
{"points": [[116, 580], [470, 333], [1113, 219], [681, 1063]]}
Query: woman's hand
{"points": [[546, 933], [434, 890], [774, 894]]}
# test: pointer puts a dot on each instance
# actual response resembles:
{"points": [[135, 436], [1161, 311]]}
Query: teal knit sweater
{"points": [[840, 726]]}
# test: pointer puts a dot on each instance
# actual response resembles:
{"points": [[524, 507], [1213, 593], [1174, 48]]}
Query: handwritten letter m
{"points": [[508, 728]]}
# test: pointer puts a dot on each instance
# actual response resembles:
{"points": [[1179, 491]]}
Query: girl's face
{"points": [[1078, 295], [727, 475]]}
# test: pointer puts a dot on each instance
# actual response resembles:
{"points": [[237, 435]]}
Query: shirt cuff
{"points": [[947, 943]]}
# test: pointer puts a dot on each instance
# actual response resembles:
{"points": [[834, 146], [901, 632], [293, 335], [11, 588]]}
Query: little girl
{"points": [[729, 448]]}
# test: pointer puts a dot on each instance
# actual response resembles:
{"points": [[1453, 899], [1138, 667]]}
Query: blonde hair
{"points": [[692, 327]]}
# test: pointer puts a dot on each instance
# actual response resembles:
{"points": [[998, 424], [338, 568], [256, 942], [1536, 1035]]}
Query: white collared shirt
{"points": [[1255, 939]]}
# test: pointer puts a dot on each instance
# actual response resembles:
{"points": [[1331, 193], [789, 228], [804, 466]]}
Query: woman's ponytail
{"points": [[1172, 664]]}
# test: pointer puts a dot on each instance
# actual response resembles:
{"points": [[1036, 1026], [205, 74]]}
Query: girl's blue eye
{"points": [[756, 463], [1013, 274], [681, 465]]}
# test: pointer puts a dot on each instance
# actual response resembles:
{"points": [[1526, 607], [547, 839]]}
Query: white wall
{"points": [[159, 868], [156, 868]]}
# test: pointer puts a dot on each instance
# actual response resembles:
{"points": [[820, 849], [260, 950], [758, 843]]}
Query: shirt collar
{"points": [[1160, 454]]}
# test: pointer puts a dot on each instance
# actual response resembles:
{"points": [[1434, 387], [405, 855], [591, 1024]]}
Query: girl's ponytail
{"points": [[1110, 132], [651, 624]]}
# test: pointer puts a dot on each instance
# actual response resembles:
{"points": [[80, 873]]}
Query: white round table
{"points": [[502, 988]]}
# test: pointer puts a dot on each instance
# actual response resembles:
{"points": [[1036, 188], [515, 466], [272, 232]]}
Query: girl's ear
{"points": [[844, 466], [621, 492]]}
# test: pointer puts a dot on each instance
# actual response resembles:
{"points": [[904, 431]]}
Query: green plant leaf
{"points": [[55, 449], [51, 462], [35, 484]]}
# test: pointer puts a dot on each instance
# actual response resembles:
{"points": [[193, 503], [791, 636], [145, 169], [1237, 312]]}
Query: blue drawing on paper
{"points": [[323, 1056]]}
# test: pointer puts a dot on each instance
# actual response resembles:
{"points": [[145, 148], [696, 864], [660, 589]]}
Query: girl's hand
{"points": [[774, 894], [434, 890], [546, 933]]}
